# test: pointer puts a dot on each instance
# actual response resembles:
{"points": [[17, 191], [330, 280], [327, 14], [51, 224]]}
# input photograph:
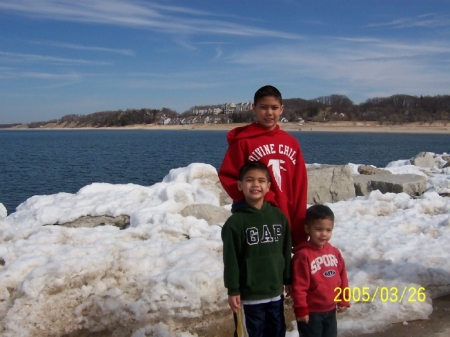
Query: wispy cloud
{"points": [[219, 53], [398, 58], [87, 48], [151, 15], [10, 74], [356, 66], [18, 57], [430, 20]]}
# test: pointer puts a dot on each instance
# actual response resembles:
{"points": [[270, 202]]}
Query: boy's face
{"points": [[320, 231], [268, 111], [254, 185]]}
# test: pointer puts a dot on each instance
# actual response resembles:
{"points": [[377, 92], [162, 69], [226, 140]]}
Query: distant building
{"points": [[231, 107], [164, 120], [226, 108], [245, 106]]}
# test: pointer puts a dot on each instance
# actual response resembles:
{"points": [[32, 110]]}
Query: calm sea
{"points": [[37, 162]]}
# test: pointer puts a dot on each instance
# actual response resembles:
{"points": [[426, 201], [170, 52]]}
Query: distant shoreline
{"points": [[419, 128]]}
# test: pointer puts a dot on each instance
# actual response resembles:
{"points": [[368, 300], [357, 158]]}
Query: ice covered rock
{"points": [[212, 214], [330, 183], [423, 159], [412, 184], [121, 221], [368, 170], [3, 211]]}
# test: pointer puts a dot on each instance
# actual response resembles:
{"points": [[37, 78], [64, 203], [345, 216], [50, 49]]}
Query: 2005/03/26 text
{"points": [[385, 294]]}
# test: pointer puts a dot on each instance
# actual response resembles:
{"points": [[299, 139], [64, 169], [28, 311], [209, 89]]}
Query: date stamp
{"points": [[384, 294]]}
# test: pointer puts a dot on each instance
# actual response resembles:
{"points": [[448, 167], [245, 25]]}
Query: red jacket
{"points": [[317, 272], [281, 153]]}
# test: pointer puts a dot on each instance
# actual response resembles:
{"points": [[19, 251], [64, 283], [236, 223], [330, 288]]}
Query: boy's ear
{"points": [[268, 185], [239, 183], [307, 229]]}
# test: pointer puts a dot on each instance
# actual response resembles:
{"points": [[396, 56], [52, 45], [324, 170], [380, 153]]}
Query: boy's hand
{"points": [[287, 290], [234, 302], [304, 319], [341, 308]]}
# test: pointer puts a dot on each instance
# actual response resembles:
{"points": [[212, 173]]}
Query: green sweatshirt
{"points": [[256, 252]]}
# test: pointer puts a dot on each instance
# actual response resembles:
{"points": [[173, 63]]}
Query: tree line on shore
{"points": [[396, 109]]}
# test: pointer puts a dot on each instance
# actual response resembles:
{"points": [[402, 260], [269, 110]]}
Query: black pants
{"points": [[321, 324], [264, 320]]}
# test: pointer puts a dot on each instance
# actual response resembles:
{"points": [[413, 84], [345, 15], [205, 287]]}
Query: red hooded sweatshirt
{"points": [[281, 153], [317, 272]]}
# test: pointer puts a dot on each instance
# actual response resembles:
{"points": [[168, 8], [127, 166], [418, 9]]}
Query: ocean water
{"points": [[38, 162]]}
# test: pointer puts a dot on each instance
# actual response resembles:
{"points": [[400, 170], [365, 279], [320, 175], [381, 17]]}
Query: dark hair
{"points": [[253, 165], [318, 212], [267, 90]]}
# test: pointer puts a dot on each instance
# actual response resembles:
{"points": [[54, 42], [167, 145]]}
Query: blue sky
{"points": [[60, 57]]}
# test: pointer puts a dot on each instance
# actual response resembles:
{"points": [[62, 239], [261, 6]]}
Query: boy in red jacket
{"points": [[318, 269], [264, 141]]}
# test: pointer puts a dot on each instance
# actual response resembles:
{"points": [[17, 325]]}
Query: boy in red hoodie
{"points": [[264, 141], [318, 269]]}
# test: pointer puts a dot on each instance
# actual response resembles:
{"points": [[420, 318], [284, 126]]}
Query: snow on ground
{"points": [[162, 276]]}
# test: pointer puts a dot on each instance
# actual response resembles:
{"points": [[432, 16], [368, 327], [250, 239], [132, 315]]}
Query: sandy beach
{"points": [[441, 127], [364, 127]]}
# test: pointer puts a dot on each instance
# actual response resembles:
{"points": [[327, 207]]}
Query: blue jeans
{"points": [[264, 320], [321, 324]]}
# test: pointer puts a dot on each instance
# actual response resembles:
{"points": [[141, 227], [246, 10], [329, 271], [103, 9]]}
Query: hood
{"points": [[309, 245], [238, 205], [249, 131], [242, 206]]}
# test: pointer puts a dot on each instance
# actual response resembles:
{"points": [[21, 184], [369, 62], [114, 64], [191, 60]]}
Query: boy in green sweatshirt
{"points": [[257, 257]]}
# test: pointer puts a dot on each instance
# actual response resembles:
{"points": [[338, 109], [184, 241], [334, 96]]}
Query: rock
{"points": [[212, 214], [121, 221], [412, 184], [423, 159], [223, 196], [3, 211], [329, 183], [332, 183], [447, 164], [368, 170]]}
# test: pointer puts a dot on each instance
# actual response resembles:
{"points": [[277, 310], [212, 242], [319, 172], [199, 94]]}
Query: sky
{"points": [[164, 274], [60, 57]]}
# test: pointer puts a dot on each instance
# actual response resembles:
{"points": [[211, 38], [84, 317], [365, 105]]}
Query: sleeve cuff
{"points": [[233, 292], [300, 312], [344, 304]]}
